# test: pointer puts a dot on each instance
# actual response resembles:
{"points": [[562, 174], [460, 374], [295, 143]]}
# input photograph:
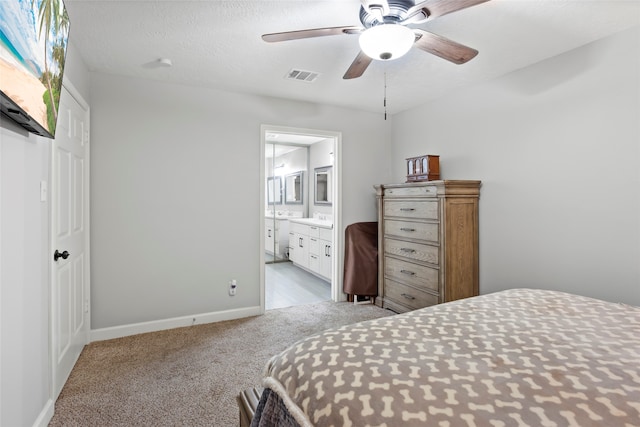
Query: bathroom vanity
{"points": [[311, 245]]}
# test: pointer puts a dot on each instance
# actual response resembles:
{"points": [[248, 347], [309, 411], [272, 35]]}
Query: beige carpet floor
{"points": [[188, 376]]}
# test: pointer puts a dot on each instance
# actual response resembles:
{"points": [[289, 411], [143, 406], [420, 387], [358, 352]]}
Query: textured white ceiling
{"points": [[217, 44]]}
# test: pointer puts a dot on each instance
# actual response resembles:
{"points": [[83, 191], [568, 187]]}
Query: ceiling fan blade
{"points": [[305, 34], [443, 47], [416, 14], [358, 66], [442, 7]]}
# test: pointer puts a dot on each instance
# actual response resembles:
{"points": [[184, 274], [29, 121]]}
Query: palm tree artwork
{"points": [[54, 24]]}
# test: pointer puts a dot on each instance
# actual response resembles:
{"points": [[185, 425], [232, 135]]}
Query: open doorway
{"points": [[300, 213]]}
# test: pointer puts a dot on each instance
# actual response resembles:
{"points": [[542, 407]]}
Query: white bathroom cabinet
{"points": [[311, 246]]}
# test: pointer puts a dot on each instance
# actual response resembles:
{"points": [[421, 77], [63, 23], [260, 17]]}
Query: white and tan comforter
{"points": [[514, 358]]}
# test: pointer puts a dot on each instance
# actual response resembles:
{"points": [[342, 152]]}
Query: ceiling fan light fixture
{"points": [[386, 42]]}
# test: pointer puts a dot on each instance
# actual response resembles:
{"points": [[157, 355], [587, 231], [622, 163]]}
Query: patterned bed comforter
{"points": [[513, 358]]}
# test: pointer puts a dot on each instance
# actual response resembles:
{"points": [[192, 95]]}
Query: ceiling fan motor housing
{"points": [[398, 14]]}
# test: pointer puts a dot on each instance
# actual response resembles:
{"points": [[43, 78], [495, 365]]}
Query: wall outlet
{"points": [[233, 285]]}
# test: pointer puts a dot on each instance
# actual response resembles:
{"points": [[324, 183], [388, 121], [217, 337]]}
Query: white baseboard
{"points": [[45, 415], [176, 322]]}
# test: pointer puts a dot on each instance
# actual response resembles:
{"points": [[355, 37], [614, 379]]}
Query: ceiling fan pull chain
{"points": [[384, 103]]}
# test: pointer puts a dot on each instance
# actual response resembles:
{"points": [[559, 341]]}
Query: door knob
{"points": [[63, 255]]}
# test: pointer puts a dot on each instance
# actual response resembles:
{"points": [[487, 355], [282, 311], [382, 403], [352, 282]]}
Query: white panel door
{"points": [[70, 275]]}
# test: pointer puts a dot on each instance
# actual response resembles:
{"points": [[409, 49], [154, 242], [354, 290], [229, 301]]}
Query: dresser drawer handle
{"points": [[407, 209], [408, 229], [407, 272], [408, 250], [407, 296]]}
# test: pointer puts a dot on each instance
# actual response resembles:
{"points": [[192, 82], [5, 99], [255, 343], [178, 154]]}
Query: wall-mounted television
{"points": [[33, 46]]}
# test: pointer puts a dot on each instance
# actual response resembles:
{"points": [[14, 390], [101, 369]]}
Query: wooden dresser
{"points": [[427, 243]]}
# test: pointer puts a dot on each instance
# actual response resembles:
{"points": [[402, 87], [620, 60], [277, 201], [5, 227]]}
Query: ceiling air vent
{"points": [[301, 75]]}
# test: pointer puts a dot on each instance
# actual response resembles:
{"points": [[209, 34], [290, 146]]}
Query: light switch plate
{"points": [[43, 191]]}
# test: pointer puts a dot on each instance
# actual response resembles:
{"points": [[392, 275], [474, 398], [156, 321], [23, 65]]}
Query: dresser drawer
{"points": [[416, 275], [412, 209], [412, 191], [412, 230], [413, 251], [406, 295]]}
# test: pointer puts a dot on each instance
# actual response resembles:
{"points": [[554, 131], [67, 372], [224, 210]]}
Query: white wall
{"points": [[557, 148], [24, 277], [175, 193], [24, 269]]}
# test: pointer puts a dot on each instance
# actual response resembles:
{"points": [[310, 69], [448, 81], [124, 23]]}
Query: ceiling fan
{"points": [[385, 35]]}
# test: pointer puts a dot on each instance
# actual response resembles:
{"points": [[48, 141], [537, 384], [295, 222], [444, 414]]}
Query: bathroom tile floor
{"points": [[287, 285]]}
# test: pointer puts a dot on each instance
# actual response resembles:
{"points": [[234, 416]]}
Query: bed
{"points": [[520, 357]]}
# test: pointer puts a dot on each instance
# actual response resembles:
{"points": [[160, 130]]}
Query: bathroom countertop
{"points": [[313, 221]]}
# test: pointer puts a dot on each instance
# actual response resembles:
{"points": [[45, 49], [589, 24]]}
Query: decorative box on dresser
{"points": [[427, 243]]}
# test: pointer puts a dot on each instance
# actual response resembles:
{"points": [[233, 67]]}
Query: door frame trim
{"points": [[336, 278]]}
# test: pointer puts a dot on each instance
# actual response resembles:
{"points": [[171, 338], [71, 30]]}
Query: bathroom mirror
{"points": [[274, 190], [322, 186], [293, 188]]}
